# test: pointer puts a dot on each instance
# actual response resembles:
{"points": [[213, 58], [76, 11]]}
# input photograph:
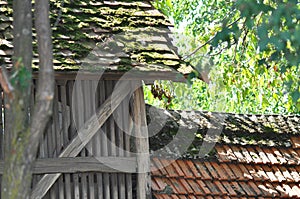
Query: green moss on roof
{"points": [[103, 30], [218, 128]]}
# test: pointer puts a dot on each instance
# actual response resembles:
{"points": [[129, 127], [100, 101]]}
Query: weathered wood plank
{"points": [[97, 139], [127, 127], [76, 186], [112, 146], [67, 185], [85, 133], [142, 145], [104, 144], [119, 117], [66, 116], [82, 164], [61, 188], [89, 102]]}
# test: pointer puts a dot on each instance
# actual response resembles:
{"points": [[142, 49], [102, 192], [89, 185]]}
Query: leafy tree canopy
{"points": [[250, 48]]}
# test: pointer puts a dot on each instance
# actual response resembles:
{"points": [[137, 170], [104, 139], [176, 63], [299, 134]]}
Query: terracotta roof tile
{"points": [[287, 175], [159, 166], [204, 171], [177, 168], [220, 172], [237, 188], [203, 186], [185, 169], [286, 154], [295, 174], [247, 155], [238, 154], [294, 155], [279, 156], [154, 170], [214, 189], [272, 189], [261, 172], [266, 190], [270, 154], [255, 188], [236, 171], [262, 155], [295, 190], [270, 173], [222, 154], [229, 188], [280, 189], [230, 154], [186, 185], [155, 185], [295, 141], [278, 174], [255, 156], [160, 182], [248, 190], [228, 172], [169, 168], [211, 170], [177, 186], [245, 171], [193, 169], [222, 189], [196, 188]]}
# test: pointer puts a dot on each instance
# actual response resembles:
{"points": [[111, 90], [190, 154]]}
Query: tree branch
{"points": [[207, 42], [45, 91], [198, 48], [5, 84]]}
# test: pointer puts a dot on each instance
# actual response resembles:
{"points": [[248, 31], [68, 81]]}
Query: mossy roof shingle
{"points": [[249, 156], [112, 35]]}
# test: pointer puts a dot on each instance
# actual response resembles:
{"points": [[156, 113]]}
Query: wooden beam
{"points": [[142, 146], [83, 164], [85, 134]]}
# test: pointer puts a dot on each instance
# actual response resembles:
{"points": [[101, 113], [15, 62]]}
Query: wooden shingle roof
{"points": [[254, 156], [93, 35]]}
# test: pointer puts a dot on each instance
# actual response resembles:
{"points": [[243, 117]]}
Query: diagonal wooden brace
{"points": [[85, 134]]}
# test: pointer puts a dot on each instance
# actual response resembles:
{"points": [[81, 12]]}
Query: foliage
{"points": [[249, 48]]}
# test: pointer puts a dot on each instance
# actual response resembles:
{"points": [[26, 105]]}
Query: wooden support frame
{"points": [[84, 135], [82, 164], [142, 144]]}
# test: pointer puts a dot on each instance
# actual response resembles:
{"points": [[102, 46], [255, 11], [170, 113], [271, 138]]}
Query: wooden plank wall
{"points": [[110, 141]]}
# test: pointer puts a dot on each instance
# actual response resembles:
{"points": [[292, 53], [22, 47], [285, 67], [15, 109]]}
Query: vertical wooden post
{"points": [[142, 145]]}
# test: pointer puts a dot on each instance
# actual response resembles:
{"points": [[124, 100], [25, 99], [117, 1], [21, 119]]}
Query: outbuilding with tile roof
{"points": [[249, 156]]}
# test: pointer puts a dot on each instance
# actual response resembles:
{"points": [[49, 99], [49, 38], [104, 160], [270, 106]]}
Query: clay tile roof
{"points": [[112, 35], [254, 156]]}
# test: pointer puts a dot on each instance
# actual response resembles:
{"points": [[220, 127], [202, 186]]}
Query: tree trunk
{"points": [[22, 133], [15, 181]]}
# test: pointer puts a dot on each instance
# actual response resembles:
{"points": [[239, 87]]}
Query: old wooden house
{"points": [[96, 144]]}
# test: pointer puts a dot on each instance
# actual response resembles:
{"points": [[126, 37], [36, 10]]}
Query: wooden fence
{"points": [[87, 149]]}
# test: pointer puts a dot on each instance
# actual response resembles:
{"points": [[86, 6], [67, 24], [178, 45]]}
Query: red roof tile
{"points": [[279, 156], [235, 171], [270, 156], [185, 169], [196, 179], [295, 141]]}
